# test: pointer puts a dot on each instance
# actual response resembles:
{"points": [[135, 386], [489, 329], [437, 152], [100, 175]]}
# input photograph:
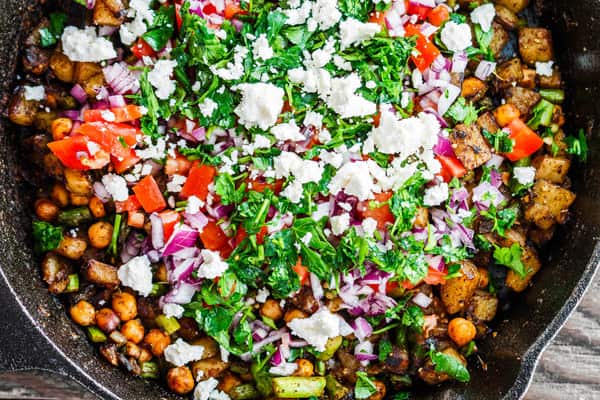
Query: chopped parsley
{"points": [[46, 236]]}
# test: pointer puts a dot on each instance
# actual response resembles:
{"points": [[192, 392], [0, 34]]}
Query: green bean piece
{"points": [[73, 285], [75, 216], [115, 235], [335, 390], [298, 387], [95, 334], [244, 392], [149, 370], [262, 379], [333, 344], [555, 96], [168, 324]]}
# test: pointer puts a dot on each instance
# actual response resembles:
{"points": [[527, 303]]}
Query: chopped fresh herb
{"points": [[46, 236], [461, 111], [413, 318], [225, 188], [385, 349], [49, 36], [162, 28], [364, 387], [578, 145], [450, 365], [511, 258], [542, 115], [500, 141]]}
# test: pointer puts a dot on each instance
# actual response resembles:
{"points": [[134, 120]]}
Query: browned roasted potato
{"points": [[470, 146], [506, 17], [549, 204], [78, 182], [43, 120], [552, 169], [551, 82], [21, 111], [488, 122], [103, 15], [422, 218], [535, 44], [508, 72], [483, 306], [63, 68], [93, 84], [532, 266], [523, 99], [208, 368], [55, 272], [457, 292], [116, 6], [473, 89], [36, 60], [516, 6], [528, 80], [211, 347], [499, 40], [71, 247], [101, 274], [85, 70]]}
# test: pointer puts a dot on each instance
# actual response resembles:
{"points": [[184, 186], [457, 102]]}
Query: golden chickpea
{"points": [[145, 355], [78, 200], [180, 380], [229, 382], [60, 195], [100, 234], [124, 305], [271, 309], [71, 247], [61, 127], [133, 330], [161, 273], [107, 320], [132, 350], [83, 313], [293, 314], [484, 278], [381, 391], [305, 367], [461, 331], [46, 210], [78, 182], [157, 341], [97, 207]]}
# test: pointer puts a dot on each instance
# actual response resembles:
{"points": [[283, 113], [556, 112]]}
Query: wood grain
{"points": [[570, 366]]}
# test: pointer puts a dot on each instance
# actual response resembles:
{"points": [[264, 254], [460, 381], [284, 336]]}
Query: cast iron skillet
{"points": [[35, 332]]}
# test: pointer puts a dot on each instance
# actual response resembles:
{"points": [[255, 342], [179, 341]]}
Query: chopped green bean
{"points": [[95, 334], [168, 324], [297, 387], [75, 216]]}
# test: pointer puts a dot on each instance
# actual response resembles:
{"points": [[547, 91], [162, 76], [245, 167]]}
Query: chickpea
{"points": [[133, 330], [97, 207], [381, 391], [229, 382], [125, 305], [180, 380], [107, 320], [78, 200], [271, 309], [83, 313], [100, 234], [461, 331], [293, 314], [60, 195], [61, 127], [132, 350], [46, 210], [305, 367], [484, 278], [161, 273], [78, 182], [145, 355], [157, 341], [72, 248]]}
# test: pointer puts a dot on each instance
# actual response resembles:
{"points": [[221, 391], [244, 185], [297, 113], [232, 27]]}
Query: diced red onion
{"points": [[426, 3], [363, 352], [197, 221], [157, 233], [422, 300], [181, 293], [259, 334], [71, 114], [447, 98], [496, 161], [485, 69], [106, 30], [183, 237], [315, 284], [117, 100], [101, 192], [428, 29], [273, 337], [277, 358], [362, 328], [485, 192], [78, 93], [298, 343], [182, 270], [120, 78], [443, 147], [437, 263], [459, 62], [199, 133], [495, 178], [90, 4], [237, 24]]}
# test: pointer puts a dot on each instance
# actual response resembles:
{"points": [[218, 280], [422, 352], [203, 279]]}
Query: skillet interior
{"points": [[55, 343]]}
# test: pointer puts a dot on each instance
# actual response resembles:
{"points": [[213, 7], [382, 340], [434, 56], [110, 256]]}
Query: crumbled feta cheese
{"points": [[544, 68], [299, 14], [324, 15], [152, 151], [208, 107], [313, 80], [85, 45], [260, 142], [287, 131], [212, 266], [340, 223], [355, 179], [321, 211], [142, 13], [207, 390], [293, 192], [176, 183], [484, 15], [34, 93], [370, 85], [321, 57], [369, 225], [283, 369], [332, 158], [234, 70], [436, 195], [160, 78], [116, 186], [456, 37], [304, 171], [260, 106], [262, 295], [193, 205], [524, 175], [173, 310], [316, 329], [353, 31], [314, 119], [341, 63], [261, 49], [344, 101], [137, 274], [181, 353]]}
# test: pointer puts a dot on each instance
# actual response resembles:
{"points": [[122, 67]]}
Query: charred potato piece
{"points": [[488, 122], [397, 362], [43, 120], [21, 111], [549, 204], [528, 80], [36, 60], [55, 272], [506, 17], [211, 347], [483, 306], [516, 6], [104, 16], [552, 169], [508, 72], [473, 89], [85, 70], [532, 266], [92, 85], [457, 292], [63, 68], [551, 82], [499, 40], [209, 368], [470, 146], [116, 6], [523, 99], [535, 44], [541, 236], [102, 274], [72, 248]]}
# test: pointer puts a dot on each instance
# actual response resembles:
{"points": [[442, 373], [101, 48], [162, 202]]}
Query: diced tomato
{"points": [[179, 165], [135, 219], [169, 219], [428, 52], [525, 140], [225, 251], [391, 286], [232, 8], [378, 17], [435, 277], [149, 195], [451, 167], [418, 9], [438, 15], [128, 113], [260, 187], [124, 163], [213, 237], [73, 152], [242, 234], [382, 214], [198, 180], [302, 271], [113, 137], [142, 49], [129, 205], [178, 18]]}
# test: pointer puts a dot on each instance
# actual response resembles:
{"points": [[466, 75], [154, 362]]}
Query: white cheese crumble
{"points": [[116, 186], [317, 329], [314, 119], [137, 274], [484, 15], [344, 101], [524, 175], [340, 223], [436, 195], [141, 13], [456, 37], [261, 49], [353, 32], [181, 353], [85, 45], [176, 183], [212, 266], [193, 205], [208, 107], [369, 226], [34, 93], [260, 106], [262, 295], [207, 390], [355, 179], [289, 164], [234, 70], [287, 131], [544, 68], [173, 310], [341, 63], [160, 78]]}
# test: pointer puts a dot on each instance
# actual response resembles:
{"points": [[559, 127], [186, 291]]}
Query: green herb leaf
{"points": [[225, 188], [364, 387], [461, 111], [578, 146], [447, 364], [162, 28], [49, 36], [511, 258], [47, 237]]}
